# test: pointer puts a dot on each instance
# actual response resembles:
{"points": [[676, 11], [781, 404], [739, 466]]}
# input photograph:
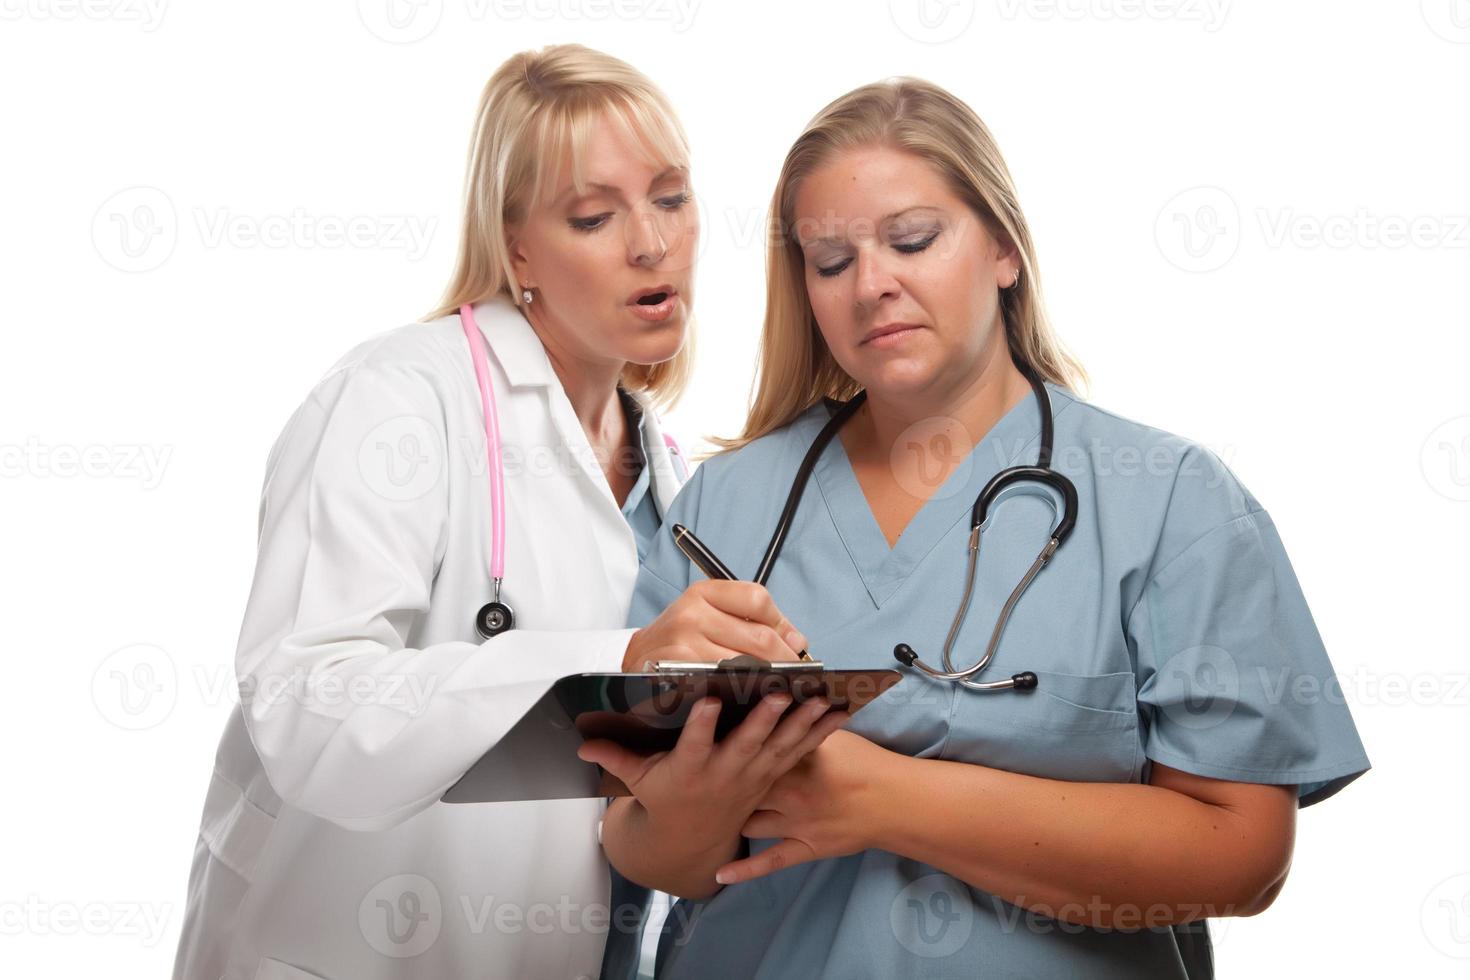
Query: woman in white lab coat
{"points": [[366, 690]]}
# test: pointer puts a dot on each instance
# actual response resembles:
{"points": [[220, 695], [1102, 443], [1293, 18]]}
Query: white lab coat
{"points": [[323, 850]]}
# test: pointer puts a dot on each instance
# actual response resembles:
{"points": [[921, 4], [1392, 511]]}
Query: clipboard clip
{"points": [[743, 663]]}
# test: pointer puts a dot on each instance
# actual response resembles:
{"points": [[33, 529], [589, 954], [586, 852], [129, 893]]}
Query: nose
{"points": [[874, 281], [646, 244]]}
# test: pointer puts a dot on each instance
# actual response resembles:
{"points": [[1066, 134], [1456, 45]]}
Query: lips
{"points": [[887, 329], [652, 296], [654, 305]]}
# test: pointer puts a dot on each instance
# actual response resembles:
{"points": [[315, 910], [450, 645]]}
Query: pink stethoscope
{"points": [[495, 617]]}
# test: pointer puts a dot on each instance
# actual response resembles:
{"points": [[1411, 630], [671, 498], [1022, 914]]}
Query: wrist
{"points": [[634, 659], [881, 808]]}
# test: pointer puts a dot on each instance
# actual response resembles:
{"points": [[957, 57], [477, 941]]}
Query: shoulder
{"points": [[426, 352], [1160, 484]]}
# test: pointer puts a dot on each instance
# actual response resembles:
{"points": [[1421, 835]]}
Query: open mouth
{"points": [[652, 299]]}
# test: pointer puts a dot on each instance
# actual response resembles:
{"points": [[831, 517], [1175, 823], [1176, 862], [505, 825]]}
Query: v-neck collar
{"points": [[1012, 438]]}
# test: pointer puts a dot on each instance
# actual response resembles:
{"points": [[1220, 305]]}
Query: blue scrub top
{"points": [[639, 510], [1170, 627]]}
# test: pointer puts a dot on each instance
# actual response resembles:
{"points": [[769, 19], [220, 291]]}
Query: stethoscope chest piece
{"points": [[493, 619]]}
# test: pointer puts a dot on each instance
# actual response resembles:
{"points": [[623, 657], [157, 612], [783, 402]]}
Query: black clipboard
{"points": [[537, 758]]}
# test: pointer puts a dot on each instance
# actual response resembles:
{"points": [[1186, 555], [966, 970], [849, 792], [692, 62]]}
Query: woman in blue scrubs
{"points": [[1086, 827]]}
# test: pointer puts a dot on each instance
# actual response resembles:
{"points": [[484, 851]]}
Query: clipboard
{"points": [[537, 758]]}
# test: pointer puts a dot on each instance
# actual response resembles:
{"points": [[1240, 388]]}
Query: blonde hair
{"points": [[536, 110], [796, 367]]}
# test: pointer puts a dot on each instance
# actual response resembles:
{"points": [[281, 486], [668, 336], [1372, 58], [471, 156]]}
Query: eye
{"points": [[589, 224], [831, 270], [675, 202], [909, 248]]}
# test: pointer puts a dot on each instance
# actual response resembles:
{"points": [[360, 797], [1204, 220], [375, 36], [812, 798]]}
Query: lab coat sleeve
{"points": [[1233, 680], [350, 723], [665, 572]]}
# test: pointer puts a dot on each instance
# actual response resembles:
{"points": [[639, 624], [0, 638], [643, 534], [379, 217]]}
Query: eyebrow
{"points": [[594, 187], [839, 239]]}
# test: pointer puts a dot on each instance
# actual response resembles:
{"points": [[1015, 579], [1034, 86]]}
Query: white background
{"points": [[1252, 225]]}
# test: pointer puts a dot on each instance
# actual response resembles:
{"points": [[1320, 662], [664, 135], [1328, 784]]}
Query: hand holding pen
{"points": [[697, 552]]}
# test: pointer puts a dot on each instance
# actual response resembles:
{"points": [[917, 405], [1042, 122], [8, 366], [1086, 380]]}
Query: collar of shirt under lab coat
{"points": [[521, 355]]}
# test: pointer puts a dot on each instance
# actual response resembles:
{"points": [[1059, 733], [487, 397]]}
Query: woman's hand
{"points": [[701, 792], [822, 808], [712, 621]]}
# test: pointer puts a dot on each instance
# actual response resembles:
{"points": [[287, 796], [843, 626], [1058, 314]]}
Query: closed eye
{"points": [[910, 248], [907, 248], [590, 223]]}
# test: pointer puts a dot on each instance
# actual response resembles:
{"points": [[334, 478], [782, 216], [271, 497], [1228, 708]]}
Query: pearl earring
{"points": [[526, 296]]}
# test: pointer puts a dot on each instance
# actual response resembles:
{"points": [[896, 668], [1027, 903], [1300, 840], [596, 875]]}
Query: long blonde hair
{"points": [[537, 108], [796, 367]]}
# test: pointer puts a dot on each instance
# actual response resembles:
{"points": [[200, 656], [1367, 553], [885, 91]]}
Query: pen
{"points": [[696, 551]]}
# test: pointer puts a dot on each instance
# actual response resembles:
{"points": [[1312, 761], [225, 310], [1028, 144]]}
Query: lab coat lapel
{"points": [[665, 470], [514, 343]]}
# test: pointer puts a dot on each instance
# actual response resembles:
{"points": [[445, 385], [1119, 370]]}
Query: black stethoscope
{"points": [[1040, 473]]}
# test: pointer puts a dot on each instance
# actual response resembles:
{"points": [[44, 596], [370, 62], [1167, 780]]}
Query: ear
{"points": [[1007, 265], [520, 262]]}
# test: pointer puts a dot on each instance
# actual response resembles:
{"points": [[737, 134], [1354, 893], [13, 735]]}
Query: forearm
{"points": [[673, 860], [1120, 855]]}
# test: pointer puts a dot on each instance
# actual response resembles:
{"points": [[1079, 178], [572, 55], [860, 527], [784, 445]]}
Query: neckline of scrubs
{"points": [[883, 569]]}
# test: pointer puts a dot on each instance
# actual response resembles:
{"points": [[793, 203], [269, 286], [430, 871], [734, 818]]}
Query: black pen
{"points": [[696, 551]]}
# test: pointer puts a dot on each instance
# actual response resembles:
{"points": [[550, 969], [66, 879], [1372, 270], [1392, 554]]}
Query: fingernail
{"points": [[724, 878], [796, 641]]}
